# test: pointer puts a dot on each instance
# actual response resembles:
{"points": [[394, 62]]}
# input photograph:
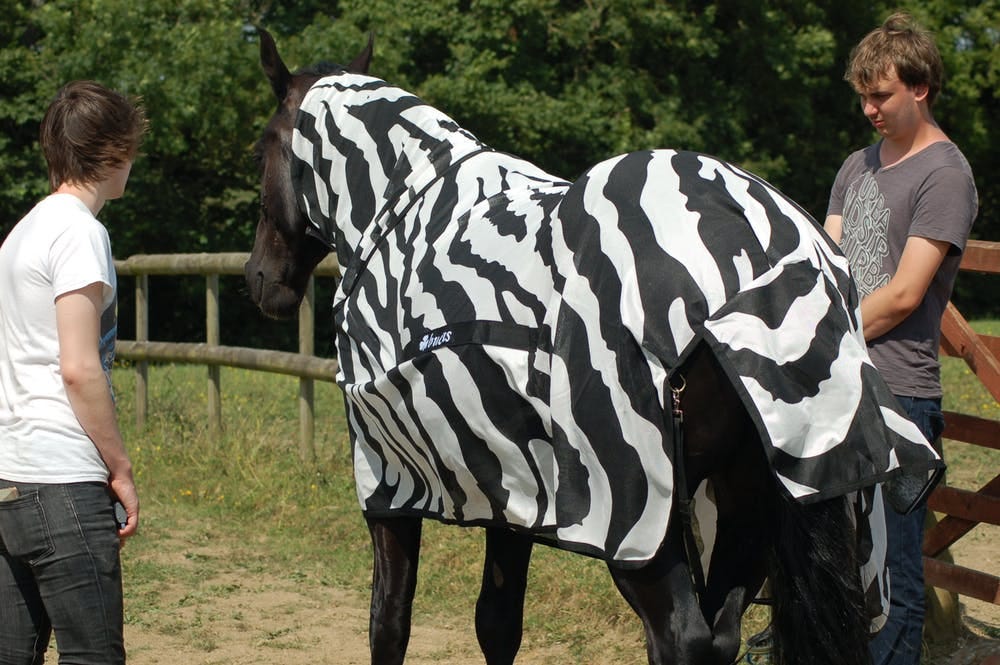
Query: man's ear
{"points": [[921, 91]]}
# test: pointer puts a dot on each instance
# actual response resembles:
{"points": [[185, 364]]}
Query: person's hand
{"points": [[123, 488]]}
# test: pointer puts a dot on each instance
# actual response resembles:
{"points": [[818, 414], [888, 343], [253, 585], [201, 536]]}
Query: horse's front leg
{"points": [[500, 608], [396, 543]]}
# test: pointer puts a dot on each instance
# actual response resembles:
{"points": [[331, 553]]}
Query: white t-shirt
{"points": [[57, 247]]}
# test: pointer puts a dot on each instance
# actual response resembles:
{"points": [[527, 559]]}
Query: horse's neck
{"points": [[403, 152], [420, 162], [425, 142]]}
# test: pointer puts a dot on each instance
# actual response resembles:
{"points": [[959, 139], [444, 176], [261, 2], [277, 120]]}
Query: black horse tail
{"points": [[819, 613]]}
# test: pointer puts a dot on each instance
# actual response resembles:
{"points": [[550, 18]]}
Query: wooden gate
{"points": [[964, 509]]}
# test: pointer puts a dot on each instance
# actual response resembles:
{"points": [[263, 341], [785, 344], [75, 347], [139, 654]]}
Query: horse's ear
{"points": [[274, 67], [362, 60]]}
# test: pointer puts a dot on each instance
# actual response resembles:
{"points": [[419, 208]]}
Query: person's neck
{"points": [[897, 149], [89, 194]]}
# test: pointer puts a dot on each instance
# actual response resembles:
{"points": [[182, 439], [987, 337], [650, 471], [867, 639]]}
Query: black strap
{"points": [[682, 494], [481, 333]]}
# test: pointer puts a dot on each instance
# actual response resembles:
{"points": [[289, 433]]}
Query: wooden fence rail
{"points": [[142, 351]]}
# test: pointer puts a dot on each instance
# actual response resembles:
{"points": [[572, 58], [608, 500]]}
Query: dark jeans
{"points": [[60, 571], [898, 643]]}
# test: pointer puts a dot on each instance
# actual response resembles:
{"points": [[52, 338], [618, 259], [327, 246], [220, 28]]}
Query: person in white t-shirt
{"points": [[63, 463]]}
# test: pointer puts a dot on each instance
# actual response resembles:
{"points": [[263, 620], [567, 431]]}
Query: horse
{"points": [[569, 382]]}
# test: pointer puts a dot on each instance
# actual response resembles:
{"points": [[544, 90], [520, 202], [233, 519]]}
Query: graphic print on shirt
{"points": [[865, 233], [109, 337]]}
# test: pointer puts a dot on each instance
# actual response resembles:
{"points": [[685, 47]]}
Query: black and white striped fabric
{"points": [[506, 337]]}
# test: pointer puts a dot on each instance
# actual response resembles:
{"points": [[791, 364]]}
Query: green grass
{"points": [[249, 495], [969, 466], [304, 519]]}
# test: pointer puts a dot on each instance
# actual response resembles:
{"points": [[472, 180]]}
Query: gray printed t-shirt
{"points": [[930, 195]]}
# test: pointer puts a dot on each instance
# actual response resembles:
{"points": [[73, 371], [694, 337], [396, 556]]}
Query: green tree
{"points": [[565, 83], [194, 63], [761, 84], [22, 177]]}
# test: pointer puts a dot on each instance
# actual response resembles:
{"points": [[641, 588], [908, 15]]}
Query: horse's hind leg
{"points": [[721, 443], [740, 553], [500, 608], [745, 496], [662, 594], [396, 543]]}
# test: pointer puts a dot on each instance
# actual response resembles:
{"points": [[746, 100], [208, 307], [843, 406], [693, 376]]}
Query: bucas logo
{"points": [[431, 341]]}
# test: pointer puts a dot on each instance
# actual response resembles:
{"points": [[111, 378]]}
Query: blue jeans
{"points": [[60, 571], [898, 643]]}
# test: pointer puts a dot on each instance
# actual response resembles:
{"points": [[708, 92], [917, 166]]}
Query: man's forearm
{"points": [[90, 398]]}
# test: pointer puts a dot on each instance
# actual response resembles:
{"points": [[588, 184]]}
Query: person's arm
{"points": [[78, 321], [883, 309], [834, 227]]}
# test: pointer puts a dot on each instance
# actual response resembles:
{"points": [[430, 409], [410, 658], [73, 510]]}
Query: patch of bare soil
{"points": [[200, 607], [207, 613], [980, 550], [258, 621]]}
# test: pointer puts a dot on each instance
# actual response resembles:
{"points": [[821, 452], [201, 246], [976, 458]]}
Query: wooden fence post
{"points": [[212, 339], [307, 344], [141, 335], [305, 366]]}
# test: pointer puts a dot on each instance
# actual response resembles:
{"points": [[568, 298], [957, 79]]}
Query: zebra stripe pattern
{"points": [[506, 337]]}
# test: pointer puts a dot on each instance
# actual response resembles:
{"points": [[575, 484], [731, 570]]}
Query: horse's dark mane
{"points": [[322, 68]]}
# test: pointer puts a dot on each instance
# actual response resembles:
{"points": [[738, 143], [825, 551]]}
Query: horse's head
{"points": [[284, 253]]}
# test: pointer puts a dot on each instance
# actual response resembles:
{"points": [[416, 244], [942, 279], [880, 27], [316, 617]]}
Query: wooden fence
{"points": [[141, 350], [964, 509]]}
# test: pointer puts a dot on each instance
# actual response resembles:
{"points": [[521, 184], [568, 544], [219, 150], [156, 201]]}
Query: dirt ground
{"points": [[277, 622], [978, 549], [264, 622], [249, 618]]}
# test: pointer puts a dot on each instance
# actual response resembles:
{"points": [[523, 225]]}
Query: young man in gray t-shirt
{"points": [[901, 210]]}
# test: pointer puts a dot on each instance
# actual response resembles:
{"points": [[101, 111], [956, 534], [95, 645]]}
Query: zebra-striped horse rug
{"points": [[506, 338]]}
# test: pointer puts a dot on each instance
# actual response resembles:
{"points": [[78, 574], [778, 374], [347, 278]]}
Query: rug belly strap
{"points": [[482, 333]]}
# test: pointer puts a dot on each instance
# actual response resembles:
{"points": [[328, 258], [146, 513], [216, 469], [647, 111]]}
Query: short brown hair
{"points": [[88, 131], [902, 44]]}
